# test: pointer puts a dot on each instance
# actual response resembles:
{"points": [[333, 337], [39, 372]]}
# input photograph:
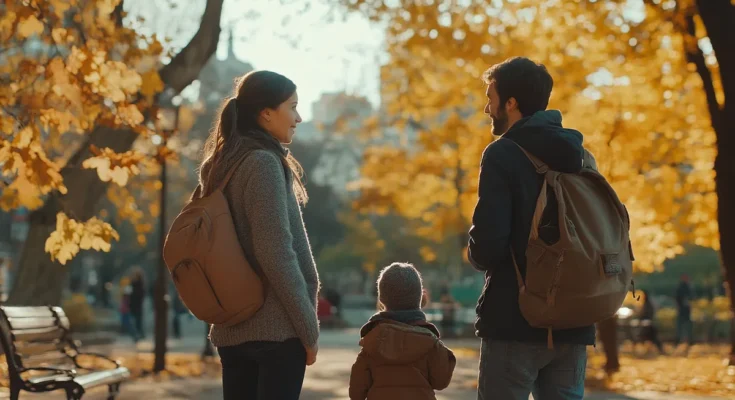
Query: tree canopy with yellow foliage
{"points": [[78, 88], [646, 82]]}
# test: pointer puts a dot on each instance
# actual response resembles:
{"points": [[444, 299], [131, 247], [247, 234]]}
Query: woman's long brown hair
{"points": [[238, 118]]}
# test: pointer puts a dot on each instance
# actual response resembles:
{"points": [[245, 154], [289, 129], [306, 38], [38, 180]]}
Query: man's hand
{"points": [[311, 354]]}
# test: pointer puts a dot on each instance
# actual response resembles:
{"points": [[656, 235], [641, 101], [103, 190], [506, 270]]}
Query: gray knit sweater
{"points": [[271, 230]]}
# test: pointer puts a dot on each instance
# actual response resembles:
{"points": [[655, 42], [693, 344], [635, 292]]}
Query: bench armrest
{"points": [[69, 372], [96, 355]]}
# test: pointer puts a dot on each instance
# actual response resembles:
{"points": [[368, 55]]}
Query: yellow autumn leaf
{"points": [[129, 115], [21, 193], [107, 6], [8, 124], [187, 118], [151, 84], [63, 243], [76, 60], [154, 209], [115, 81], [97, 235], [70, 236], [29, 27], [7, 23], [64, 121], [59, 35], [114, 167], [427, 254], [105, 172], [24, 137], [43, 172], [60, 7]]}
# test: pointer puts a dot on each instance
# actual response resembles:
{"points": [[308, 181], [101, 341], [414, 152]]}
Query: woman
{"points": [[265, 357]]}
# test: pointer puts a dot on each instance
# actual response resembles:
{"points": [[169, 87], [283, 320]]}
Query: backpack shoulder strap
{"points": [[231, 172], [540, 166]]}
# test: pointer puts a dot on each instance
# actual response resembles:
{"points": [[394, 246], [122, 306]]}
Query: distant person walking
{"points": [[649, 331], [449, 312], [683, 296], [265, 356], [137, 300], [126, 322]]}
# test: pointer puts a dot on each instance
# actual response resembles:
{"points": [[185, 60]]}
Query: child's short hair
{"points": [[400, 287]]}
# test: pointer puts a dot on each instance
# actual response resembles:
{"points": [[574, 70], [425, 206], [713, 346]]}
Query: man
{"points": [[684, 310], [515, 359]]}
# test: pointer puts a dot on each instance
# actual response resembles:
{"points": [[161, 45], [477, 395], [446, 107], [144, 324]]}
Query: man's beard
{"points": [[500, 123]]}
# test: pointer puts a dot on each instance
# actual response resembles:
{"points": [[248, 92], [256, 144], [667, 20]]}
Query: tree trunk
{"points": [[717, 16], [39, 280], [725, 183], [161, 289]]}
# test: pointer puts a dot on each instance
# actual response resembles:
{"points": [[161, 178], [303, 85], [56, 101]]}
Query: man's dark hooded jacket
{"points": [[508, 189]]}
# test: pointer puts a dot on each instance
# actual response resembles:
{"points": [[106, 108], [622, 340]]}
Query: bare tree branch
{"points": [[718, 17], [697, 57], [186, 65]]}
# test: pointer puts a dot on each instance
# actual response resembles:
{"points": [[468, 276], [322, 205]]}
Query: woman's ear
{"points": [[266, 114]]}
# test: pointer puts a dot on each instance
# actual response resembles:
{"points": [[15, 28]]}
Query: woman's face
{"points": [[281, 122]]}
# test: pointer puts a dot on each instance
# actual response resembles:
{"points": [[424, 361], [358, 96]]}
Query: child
{"points": [[401, 356]]}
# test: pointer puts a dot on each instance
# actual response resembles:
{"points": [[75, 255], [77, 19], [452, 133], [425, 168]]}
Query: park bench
{"points": [[42, 357]]}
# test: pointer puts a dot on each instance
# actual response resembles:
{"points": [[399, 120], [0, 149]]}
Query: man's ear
{"points": [[511, 104]]}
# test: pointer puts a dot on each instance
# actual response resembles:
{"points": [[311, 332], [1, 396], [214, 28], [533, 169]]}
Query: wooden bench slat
{"points": [[35, 338], [27, 349], [64, 321], [59, 311], [54, 359], [39, 334], [26, 312], [40, 380], [105, 377], [31, 323]]}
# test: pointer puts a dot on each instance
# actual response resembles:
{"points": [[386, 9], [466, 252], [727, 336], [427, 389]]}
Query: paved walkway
{"points": [[328, 380]]}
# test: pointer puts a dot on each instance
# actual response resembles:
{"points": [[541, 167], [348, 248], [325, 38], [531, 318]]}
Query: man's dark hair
{"points": [[526, 81]]}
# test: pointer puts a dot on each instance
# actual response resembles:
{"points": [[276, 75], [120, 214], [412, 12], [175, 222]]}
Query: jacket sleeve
{"points": [[441, 366], [266, 205], [489, 243], [306, 258], [360, 378]]}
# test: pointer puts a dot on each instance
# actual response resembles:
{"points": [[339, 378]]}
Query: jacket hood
{"points": [[396, 342], [543, 135], [410, 317]]}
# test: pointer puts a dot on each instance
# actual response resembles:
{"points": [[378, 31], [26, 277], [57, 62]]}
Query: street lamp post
{"points": [[168, 120]]}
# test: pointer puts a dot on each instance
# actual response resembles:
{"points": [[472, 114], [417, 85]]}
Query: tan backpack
{"points": [[207, 263], [583, 277]]}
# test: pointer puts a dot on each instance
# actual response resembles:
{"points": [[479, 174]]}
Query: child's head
{"points": [[400, 287]]}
